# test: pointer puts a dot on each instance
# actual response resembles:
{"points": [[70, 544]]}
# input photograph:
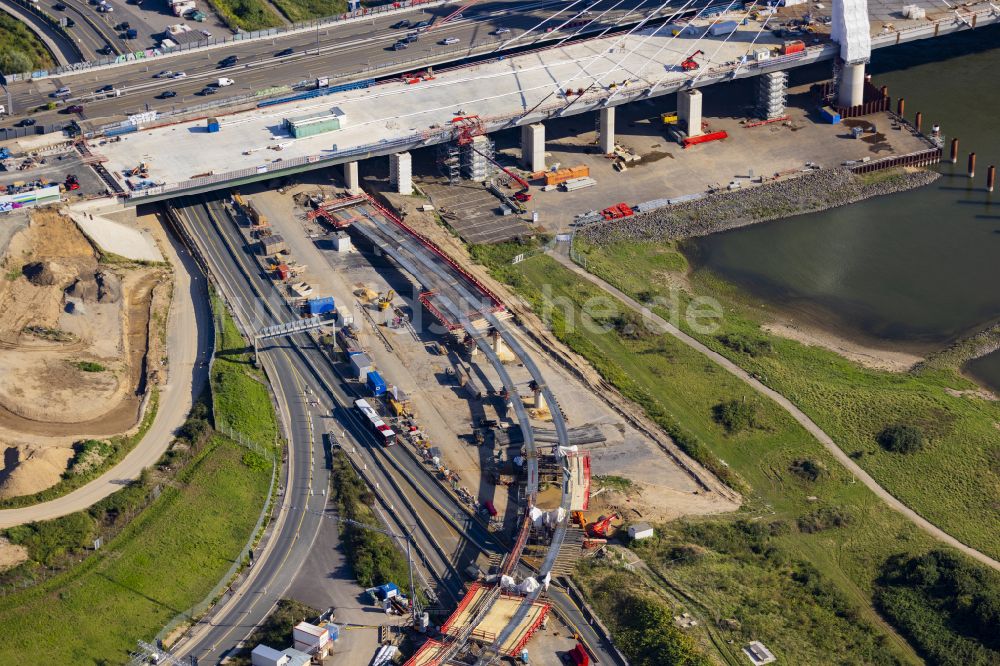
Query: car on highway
{"points": [[105, 89], [448, 41], [410, 38], [399, 46], [63, 92], [124, 25], [223, 82], [27, 122], [105, 9], [399, 25], [284, 52], [73, 108], [164, 74], [166, 94], [179, 75], [59, 7], [208, 90], [229, 61], [501, 31], [106, 50], [421, 24]]}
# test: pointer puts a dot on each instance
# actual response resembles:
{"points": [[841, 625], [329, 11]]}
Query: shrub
{"points": [[49, 541], [807, 468], [901, 438], [90, 366], [824, 519], [193, 430], [746, 344], [736, 415]]}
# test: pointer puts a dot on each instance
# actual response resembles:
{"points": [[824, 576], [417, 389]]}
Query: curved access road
{"points": [[789, 407], [189, 344], [62, 51]]}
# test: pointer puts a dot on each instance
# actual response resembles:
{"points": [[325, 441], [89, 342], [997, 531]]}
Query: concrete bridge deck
{"points": [[397, 116]]}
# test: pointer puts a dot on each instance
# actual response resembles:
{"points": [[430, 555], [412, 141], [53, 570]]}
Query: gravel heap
{"points": [[810, 192]]}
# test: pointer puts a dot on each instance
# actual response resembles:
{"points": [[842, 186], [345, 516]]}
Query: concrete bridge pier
{"points": [[852, 85], [401, 172], [533, 147], [606, 132], [351, 180], [689, 111]]}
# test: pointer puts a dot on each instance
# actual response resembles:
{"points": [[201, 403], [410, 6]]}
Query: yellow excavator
{"points": [[385, 300]]}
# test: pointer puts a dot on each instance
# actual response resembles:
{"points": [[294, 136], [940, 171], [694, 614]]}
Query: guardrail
{"points": [[214, 42]]}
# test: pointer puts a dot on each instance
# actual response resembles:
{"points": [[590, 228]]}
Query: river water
{"points": [[917, 269]]}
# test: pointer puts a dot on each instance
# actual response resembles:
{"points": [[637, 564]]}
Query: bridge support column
{"points": [[852, 85], [401, 172], [689, 111], [351, 180], [606, 132], [540, 403], [533, 147]]}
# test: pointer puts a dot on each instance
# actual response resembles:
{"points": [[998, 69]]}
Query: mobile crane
{"points": [[690, 63]]}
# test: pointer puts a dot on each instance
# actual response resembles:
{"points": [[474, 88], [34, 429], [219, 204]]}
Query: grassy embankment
{"points": [[305, 10], [20, 49], [241, 397], [840, 539], [953, 480], [168, 539], [247, 15]]}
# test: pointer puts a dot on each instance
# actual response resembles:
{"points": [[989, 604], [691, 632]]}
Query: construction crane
{"points": [[689, 63], [600, 528]]}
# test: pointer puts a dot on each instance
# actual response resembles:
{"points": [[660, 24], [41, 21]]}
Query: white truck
{"points": [[223, 82]]}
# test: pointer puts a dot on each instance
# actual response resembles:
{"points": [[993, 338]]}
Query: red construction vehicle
{"points": [[600, 528], [72, 183], [689, 63]]}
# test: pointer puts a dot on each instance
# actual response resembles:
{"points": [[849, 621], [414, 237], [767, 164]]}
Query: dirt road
{"points": [[794, 411], [189, 339]]}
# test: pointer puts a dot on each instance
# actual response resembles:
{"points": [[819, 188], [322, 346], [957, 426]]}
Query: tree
{"points": [[901, 438], [14, 61], [736, 415]]}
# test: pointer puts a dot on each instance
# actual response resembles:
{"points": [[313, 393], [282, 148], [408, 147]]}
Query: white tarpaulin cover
{"points": [[528, 585], [852, 30]]}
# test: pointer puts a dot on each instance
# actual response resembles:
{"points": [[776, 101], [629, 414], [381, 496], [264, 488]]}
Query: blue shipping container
{"points": [[829, 115], [375, 383], [318, 306], [213, 124]]}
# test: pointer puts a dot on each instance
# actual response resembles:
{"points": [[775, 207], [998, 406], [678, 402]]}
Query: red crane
{"points": [[689, 63], [449, 17]]}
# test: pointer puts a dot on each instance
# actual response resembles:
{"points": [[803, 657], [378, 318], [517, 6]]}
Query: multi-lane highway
{"points": [[341, 52]]}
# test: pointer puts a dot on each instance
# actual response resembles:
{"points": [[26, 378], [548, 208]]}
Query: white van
{"points": [[223, 82], [449, 40]]}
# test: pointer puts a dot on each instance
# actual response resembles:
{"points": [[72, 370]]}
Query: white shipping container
{"points": [[723, 28], [308, 636]]}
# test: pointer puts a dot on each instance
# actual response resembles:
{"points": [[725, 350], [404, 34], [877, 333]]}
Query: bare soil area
{"points": [[74, 342], [858, 352], [11, 555]]}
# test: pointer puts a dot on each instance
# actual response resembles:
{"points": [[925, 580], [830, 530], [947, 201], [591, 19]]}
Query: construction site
{"points": [[79, 347]]}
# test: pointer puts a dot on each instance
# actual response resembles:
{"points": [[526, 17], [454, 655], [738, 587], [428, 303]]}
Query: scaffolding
{"points": [[771, 93], [449, 162], [477, 159]]}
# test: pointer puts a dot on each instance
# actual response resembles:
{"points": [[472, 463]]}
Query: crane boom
{"points": [[442, 21]]}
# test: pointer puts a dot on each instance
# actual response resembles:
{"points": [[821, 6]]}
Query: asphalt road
{"points": [[347, 52], [303, 499], [189, 343], [63, 52]]}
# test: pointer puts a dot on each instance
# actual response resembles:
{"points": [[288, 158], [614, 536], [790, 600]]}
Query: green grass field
{"points": [[954, 481], [246, 14], [304, 10], [242, 400], [167, 559], [650, 370], [20, 49]]}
